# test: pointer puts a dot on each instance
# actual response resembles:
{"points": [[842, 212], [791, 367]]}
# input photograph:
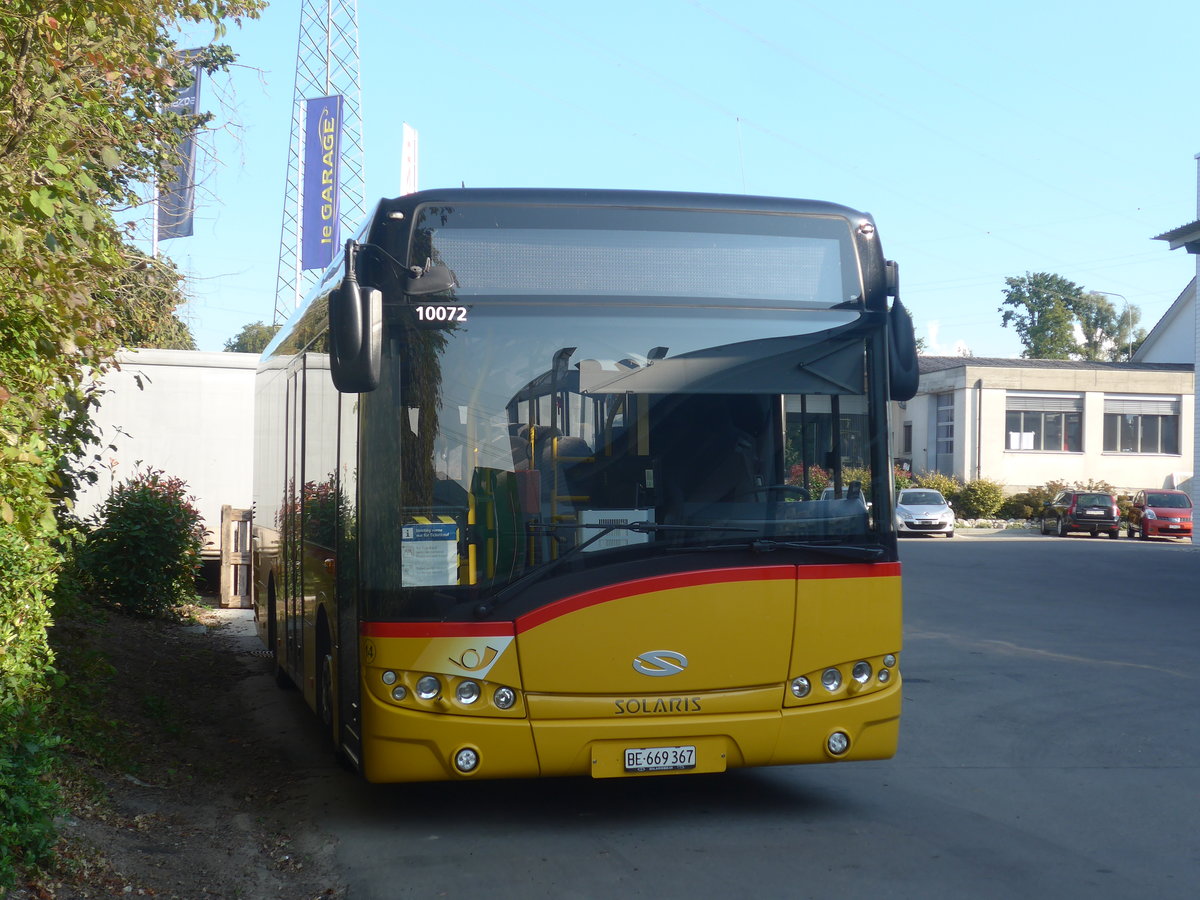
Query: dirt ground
{"points": [[207, 799]]}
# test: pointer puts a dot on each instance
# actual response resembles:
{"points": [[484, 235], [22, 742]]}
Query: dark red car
{"points": [[1160, 513], [1088, 511]]}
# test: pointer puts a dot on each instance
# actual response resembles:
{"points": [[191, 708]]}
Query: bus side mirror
{"points": [[355, 330], [355, 337], [903, 370]]}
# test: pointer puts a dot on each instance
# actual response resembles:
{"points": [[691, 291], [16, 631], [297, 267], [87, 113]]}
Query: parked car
{"points": [[852, 491], [1088, 511], [1160, 513], [923, 511]]}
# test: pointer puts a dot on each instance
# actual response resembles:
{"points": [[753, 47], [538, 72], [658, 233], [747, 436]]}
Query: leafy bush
{"points": [[979, 499], [818, 478], [28, 796], [947, 485], [1020, 506], [144, 553]]}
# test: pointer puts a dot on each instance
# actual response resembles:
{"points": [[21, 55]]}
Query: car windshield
{"points": [[1086, 500], [1169, 501], [922, 498]]}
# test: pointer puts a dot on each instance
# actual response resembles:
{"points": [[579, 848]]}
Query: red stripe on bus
{"points": [[435, 629], [610, 592], [850, 570]]}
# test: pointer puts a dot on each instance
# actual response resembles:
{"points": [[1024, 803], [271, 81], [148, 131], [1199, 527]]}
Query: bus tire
{"points": [[325, 696]]}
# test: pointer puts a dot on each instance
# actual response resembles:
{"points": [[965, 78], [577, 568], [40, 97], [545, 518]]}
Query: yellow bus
{"points": [[539, 478]]}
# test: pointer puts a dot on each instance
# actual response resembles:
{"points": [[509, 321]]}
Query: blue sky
{"points": [[988, 140]]}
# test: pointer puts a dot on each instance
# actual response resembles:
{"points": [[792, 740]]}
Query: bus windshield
{"points": [[528, 431]]}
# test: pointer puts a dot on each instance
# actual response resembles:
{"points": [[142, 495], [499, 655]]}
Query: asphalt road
{"points": [[1049, 748]]}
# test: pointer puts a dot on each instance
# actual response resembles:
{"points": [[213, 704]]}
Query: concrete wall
{"points": [[193, 417]]}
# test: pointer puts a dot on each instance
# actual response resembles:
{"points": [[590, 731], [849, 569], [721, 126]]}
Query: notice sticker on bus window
{"points": [[429, 554]]}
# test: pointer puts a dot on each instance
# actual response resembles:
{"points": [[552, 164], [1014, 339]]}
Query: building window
{"points": [[944, 433], [1141, 425], [1044, 422], [907, 439]]}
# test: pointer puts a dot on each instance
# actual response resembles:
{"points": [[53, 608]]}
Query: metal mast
{"points": [[327, 62]]}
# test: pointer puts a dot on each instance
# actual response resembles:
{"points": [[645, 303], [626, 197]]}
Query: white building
{"points": [[187, 413], [1026, 422]]}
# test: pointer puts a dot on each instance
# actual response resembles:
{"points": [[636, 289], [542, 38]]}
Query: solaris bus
{"points": [[540, 486]]}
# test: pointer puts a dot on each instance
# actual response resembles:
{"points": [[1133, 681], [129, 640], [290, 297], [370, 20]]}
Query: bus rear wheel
{"points": [[325, 696]]}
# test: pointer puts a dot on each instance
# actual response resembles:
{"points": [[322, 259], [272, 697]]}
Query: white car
{"points": [[923, 511]]}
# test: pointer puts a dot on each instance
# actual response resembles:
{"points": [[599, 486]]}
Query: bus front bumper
{"points": [[404, 745]]}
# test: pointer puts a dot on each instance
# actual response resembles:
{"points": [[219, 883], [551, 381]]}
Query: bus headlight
{"points": [[389, 677], [428, 687], [831, 678], [467, 692], [861, 672], [504, 698], [838, 743], [801, 687], [399, 692]]}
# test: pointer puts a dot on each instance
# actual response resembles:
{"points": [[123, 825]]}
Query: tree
{"points": [[85, 94], [1128, 337], [253, 338], [145, 298], [1058, 319], [1099, 323], [1038, 308]]}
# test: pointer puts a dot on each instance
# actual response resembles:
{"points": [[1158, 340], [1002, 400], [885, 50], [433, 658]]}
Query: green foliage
{"points": [[144, 553], [146, 295], [818, 478], [28, 800], [1020, 506], [947, 485], [1045, 310], [85, 93], [253, 338], [1037, 307], [979, 499]]}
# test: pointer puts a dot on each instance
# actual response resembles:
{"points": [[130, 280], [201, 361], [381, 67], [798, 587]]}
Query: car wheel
{"points": [[1045, 530], [1062, 527], [1142, 533], [1114, 534], [950, 533]]}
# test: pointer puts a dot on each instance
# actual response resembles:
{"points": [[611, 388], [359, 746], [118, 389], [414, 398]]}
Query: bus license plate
{"points": [[660, 759]]}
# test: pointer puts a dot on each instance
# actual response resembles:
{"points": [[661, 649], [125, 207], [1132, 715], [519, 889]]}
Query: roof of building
{"points": [[942, 363], [1186, 236]]}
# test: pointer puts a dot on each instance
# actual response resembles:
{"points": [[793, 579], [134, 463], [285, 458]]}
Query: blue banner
{"points": [[176, 200], [319, 200]]}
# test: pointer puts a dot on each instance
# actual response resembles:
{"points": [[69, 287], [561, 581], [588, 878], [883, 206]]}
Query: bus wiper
{"points": [[767, 545], [530, 578]]}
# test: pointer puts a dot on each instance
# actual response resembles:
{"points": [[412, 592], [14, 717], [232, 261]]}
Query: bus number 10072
{"points": [[440, 313]]}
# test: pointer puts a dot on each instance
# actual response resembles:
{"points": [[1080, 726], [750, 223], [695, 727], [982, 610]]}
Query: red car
{"points": [[1160, 513]]}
